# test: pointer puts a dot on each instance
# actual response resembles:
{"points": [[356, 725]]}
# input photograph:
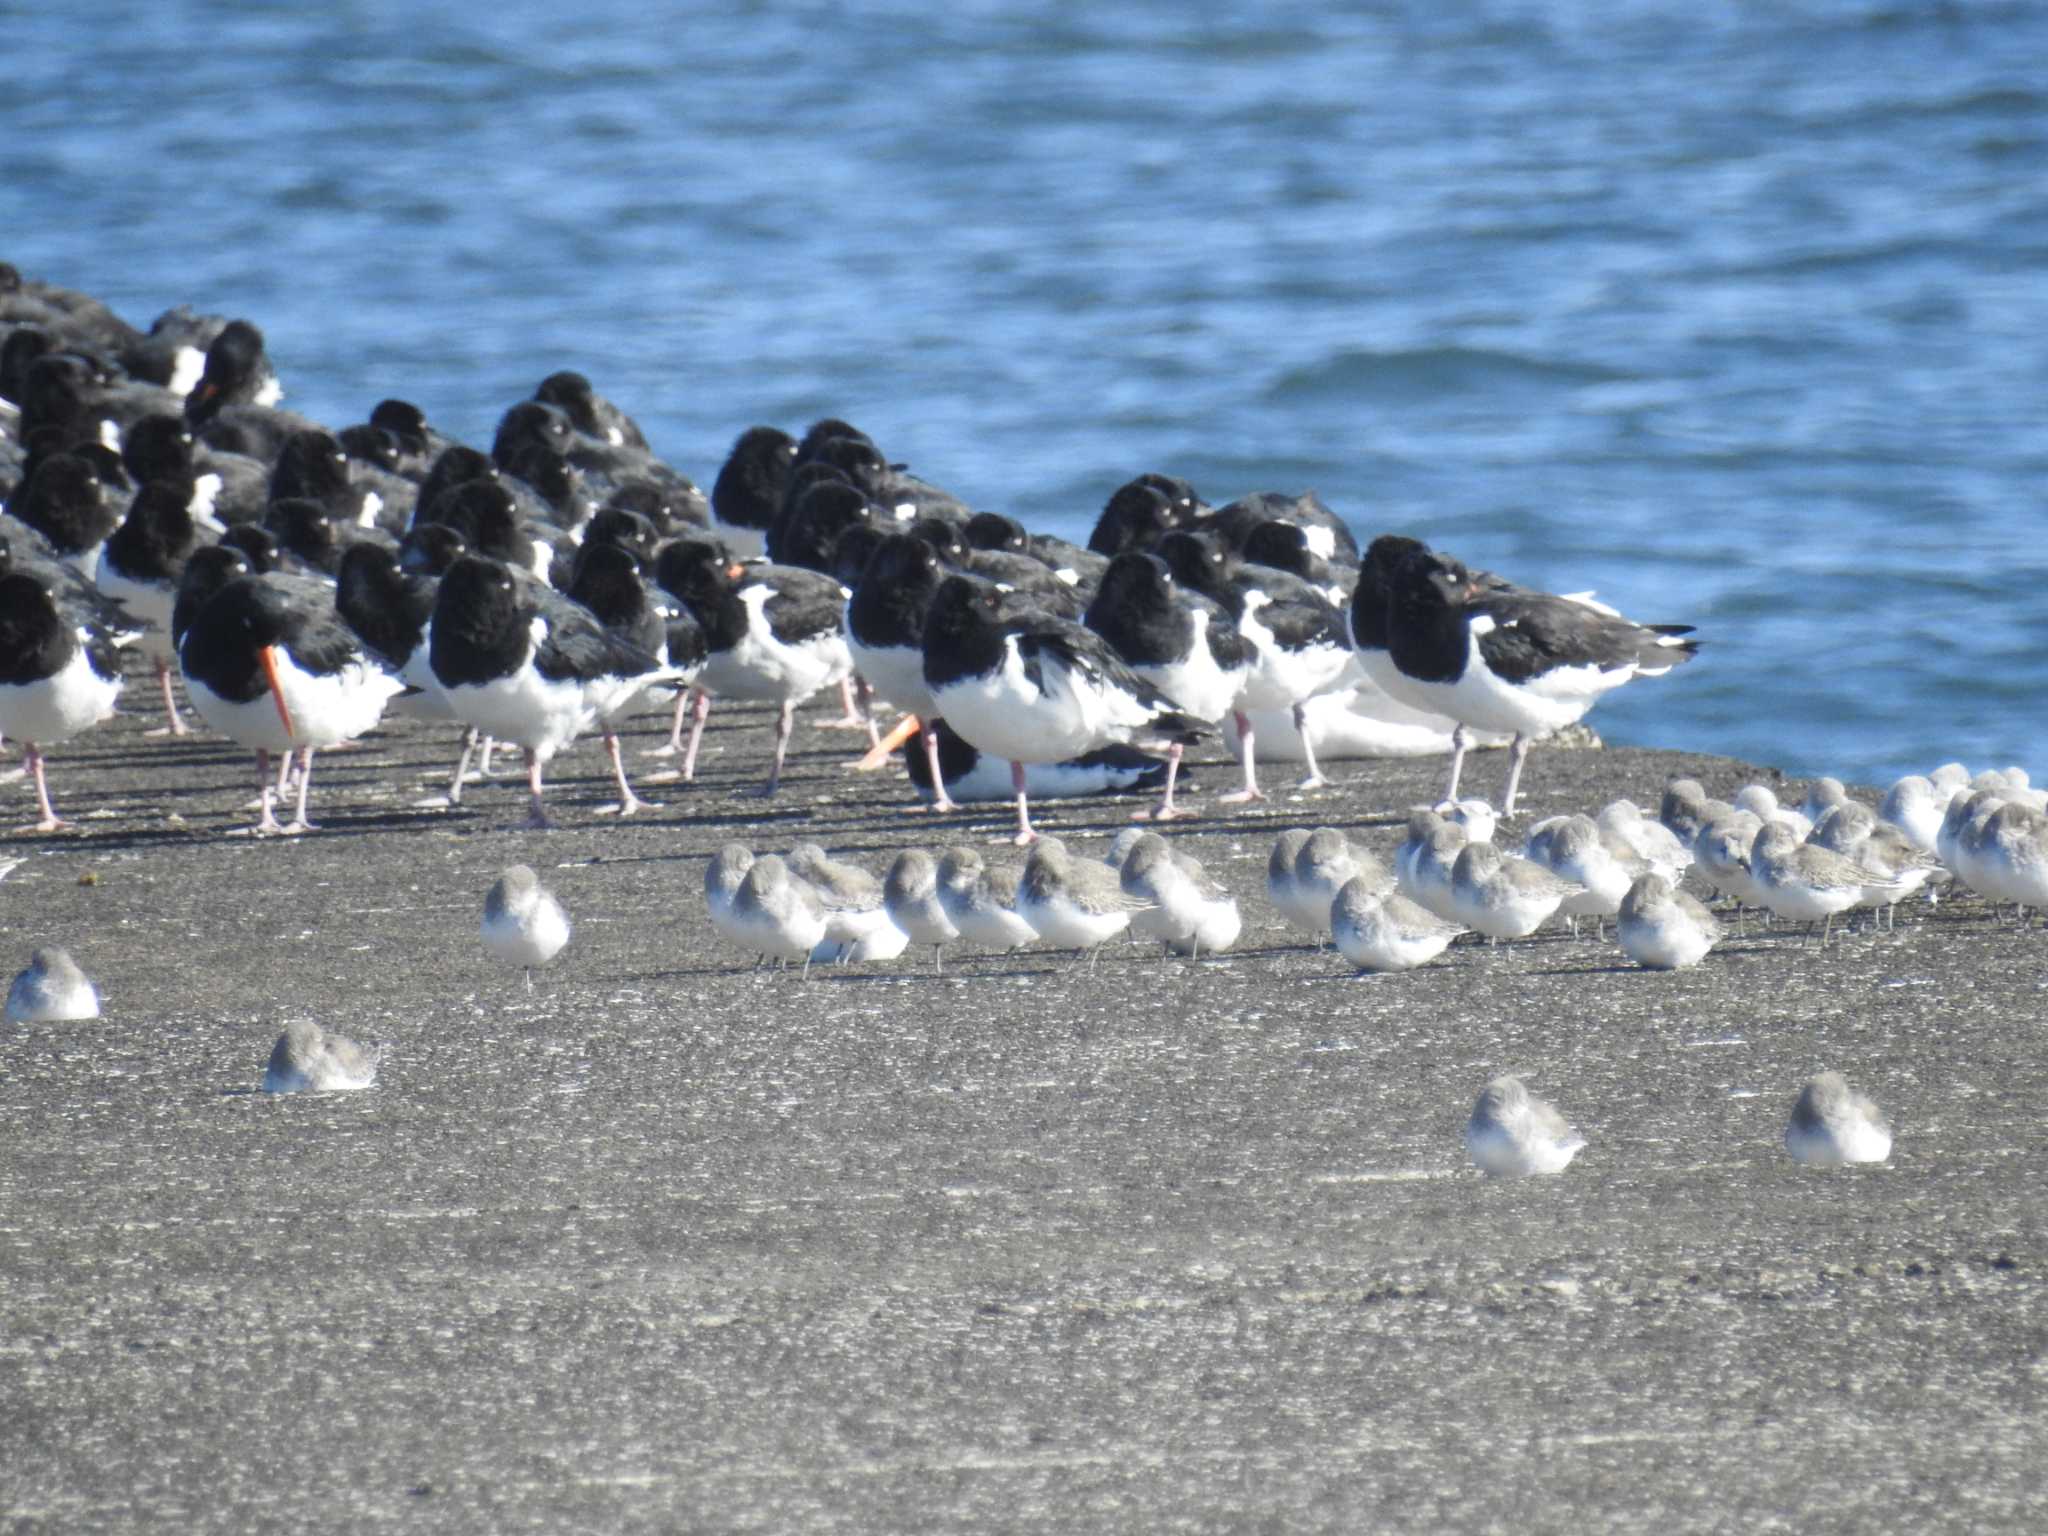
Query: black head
{"points": [[1426, 582], [31, 631], [1284, 547], [992, 530], [480, 595], [751, 483], [370, 444], [256, 544], [404, 421], [856, 458], [430, 548], [310, 463], [57, 391], [233, 361], [824, 430], [1384, 555], [903, 561], [1136, 516], [304, 528], [1185, 500], [695, 570], [530, 422], [574, 396], [61, 500], [24, 344], [1135, 579], [554, 479], [851, 554], [607, 582], [1197, 563], [457, 465], [157, 535], [626, 529], [158, 447], [207, 571], [946, 537]]}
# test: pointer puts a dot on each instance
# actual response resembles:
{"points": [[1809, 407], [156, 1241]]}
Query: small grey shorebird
{"points": [[1512, 1133], [523, 924], [308, 1059]]}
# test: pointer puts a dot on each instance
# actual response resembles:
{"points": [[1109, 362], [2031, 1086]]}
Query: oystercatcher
{"points": [[771, 632], [1034, 688], [269, 664], [607, 582], [973, 777], [60, 670], [747, 496], [1298, 643], [1506, 658], [522, 663], [1182, 643], [885, 636], [139, 568]]}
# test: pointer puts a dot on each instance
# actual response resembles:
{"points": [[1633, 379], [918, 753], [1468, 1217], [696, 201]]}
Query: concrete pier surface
{"points": [[666, 1243]]}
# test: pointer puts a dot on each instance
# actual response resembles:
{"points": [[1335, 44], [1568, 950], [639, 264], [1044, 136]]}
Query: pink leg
{"points": [[266, 823], [628, 801], [1166, 810], [1517, 755], [1315, 779], [673, 747], [1251, 789], [1025, 836], [1461, 739], [51, 821], [784, 724], [298, 823], [538, 818], [865, 697], [700, 712], [941, 801], [469, 740], [852, 717], [173, 726]]}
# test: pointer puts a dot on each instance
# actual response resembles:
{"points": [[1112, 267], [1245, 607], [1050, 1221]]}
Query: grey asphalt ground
{"points": [[668, 1244]]}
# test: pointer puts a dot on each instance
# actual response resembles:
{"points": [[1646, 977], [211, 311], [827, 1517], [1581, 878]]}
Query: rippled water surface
{"points": [[1736, 314]]}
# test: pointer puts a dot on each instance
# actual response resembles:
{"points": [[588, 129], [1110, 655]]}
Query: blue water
{"points": [[1736, 314]]}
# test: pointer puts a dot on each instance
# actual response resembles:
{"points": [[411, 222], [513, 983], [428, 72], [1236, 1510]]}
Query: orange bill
{"points": [[899, 733], [268, 656]]}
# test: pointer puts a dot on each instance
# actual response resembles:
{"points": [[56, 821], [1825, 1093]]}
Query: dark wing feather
{"points": [[805, 603], [576, 646], [1535, 633]]}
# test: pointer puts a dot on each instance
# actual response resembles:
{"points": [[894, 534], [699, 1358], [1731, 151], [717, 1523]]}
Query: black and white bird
{"points": [[387, 599], [269, 664], [1506, 658], [1299, 647], [771, 632], [973, 777], [520, 662], [1181, 642], [607, 582], [139, 568], [1033, 688], [60, 668], [885, 636], [747, 496]]}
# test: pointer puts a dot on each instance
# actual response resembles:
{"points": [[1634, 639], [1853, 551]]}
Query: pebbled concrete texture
{"points": [[669, 1244]]}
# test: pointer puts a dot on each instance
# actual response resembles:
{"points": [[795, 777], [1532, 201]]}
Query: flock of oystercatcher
{"points": [[303, 581]]}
